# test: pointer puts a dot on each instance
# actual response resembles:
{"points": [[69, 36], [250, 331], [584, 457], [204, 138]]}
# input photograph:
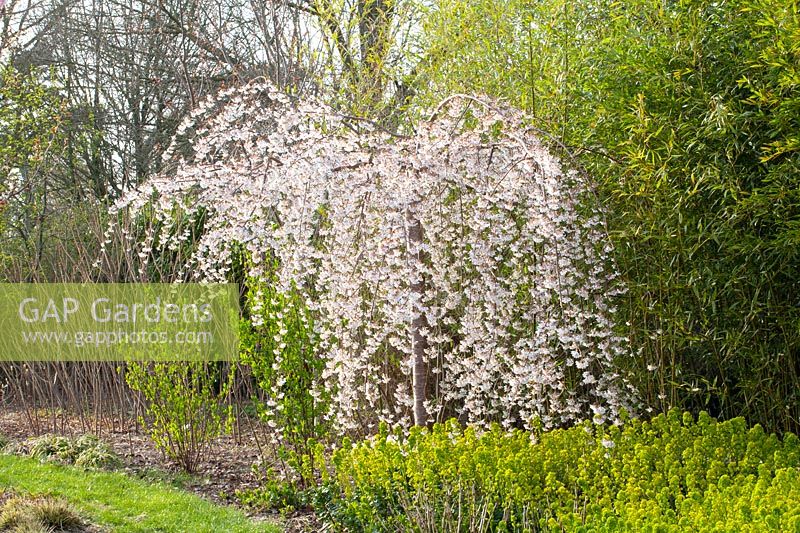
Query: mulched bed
{"points": [[228, 468]]}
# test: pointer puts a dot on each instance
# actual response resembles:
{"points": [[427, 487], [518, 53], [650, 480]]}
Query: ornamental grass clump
{"points": [[40, 515]]}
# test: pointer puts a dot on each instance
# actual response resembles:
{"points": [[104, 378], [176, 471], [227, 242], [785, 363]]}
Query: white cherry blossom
{"points": [[467, 236]]}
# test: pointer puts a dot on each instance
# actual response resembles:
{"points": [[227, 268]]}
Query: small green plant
{"points": [[100, 456], [273, 494], [86, 451], [294, 489], [185, 406], [50, 448]]}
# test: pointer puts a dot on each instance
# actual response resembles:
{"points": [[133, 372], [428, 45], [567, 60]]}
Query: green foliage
{"points": [[296, 487], [273, 494], [49, 211], [516, 50], [179, 479], [278, 346], [31, 136], [30, 116], [185, 405], [672, 473], [95, 454], [687, 115], [86, 451], [281, 352]]}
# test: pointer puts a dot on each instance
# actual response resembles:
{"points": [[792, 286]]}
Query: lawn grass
{"points": [[120, 503]]}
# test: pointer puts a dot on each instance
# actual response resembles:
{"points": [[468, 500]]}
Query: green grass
{"points": [[120, 503]]}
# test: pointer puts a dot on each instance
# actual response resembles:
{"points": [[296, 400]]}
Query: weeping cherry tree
{"points": [[458, 271]]}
